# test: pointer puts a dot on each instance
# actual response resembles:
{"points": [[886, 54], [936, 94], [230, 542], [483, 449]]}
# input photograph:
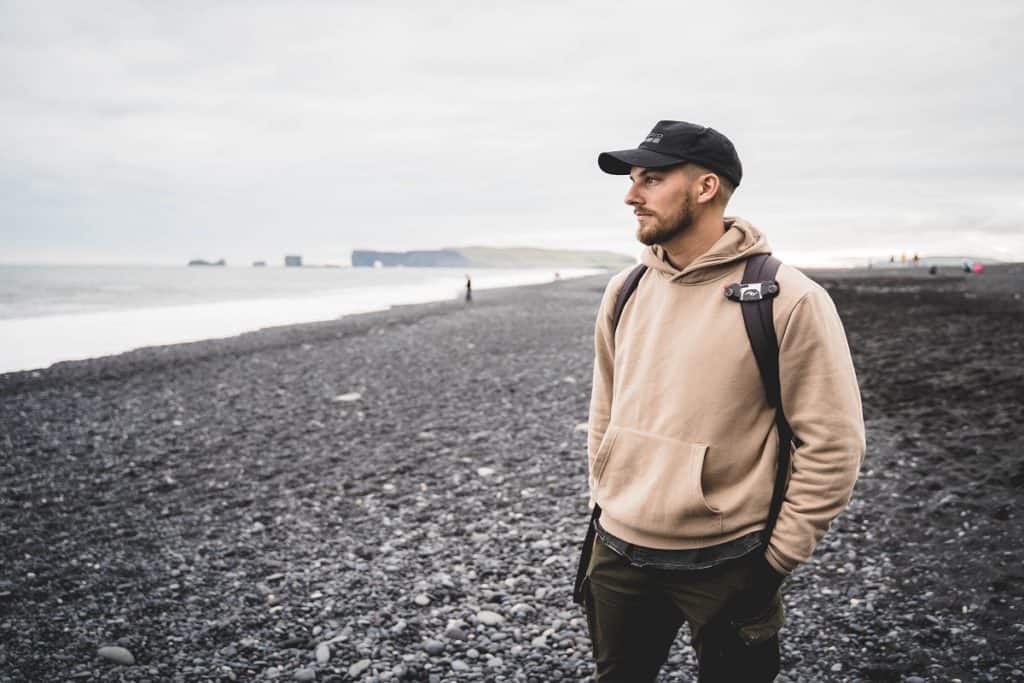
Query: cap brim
{"points": [[621, 163]]}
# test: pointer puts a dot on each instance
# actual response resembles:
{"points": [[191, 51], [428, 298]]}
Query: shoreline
{"points": [[996, 279], [385, 315]]}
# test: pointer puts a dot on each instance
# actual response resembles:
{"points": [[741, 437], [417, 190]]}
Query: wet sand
{"points": [[382, 483]]}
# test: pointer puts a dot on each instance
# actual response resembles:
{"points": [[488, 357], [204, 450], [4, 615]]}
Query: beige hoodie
{"points": [[682, 444]]}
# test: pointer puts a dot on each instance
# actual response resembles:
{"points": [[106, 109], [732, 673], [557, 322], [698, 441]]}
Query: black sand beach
{"points": [[407, 491]]}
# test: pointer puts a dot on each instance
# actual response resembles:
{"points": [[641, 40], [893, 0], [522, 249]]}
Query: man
{"points": [[683, 444]]}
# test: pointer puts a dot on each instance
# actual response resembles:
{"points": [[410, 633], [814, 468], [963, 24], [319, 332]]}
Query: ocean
{"points": [[57, 313]]}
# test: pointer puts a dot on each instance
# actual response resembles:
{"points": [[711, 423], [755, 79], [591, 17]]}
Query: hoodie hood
{"points": [[740, 241]]}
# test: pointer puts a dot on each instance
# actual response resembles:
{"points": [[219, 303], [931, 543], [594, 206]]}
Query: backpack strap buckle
{"points": [[751, 291]]}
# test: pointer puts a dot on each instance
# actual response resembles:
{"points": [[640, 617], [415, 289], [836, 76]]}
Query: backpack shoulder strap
{"points": [[628, 287], [758, 319], [760, 284]]}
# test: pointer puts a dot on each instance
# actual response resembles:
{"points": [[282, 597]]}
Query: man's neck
{"points": [[682, 250]]}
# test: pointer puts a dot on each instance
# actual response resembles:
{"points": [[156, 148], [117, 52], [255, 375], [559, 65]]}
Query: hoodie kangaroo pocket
{"points": [[653, 483]]}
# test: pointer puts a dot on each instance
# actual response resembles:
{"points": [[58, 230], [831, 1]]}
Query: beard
{"points": [[660, 229]]}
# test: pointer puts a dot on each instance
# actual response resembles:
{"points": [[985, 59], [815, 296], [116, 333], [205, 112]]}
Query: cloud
{"points": [[250, 129]]}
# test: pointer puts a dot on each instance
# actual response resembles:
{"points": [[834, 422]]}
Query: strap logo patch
{"points": [[653, 138], [751, 291]]}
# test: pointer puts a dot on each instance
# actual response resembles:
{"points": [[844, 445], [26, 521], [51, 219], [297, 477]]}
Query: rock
{"points": [[323, 653], [521, 609], [433, 647], [489, 618], [837, 667], [485, 471], [454, 632], [398, 627], [421, 600], [459, 665], [582, 427], [348, 398], [913, 679], [539, 642], [357, 669], [304, 675], [116, 654]]}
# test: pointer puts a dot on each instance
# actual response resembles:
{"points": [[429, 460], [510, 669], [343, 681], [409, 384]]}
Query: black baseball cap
{"points": [[675, 142]]}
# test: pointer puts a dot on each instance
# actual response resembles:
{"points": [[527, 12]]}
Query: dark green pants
{"points": [[634, 614]]}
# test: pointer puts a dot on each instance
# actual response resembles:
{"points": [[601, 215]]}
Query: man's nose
{"points": [[632, 198]]}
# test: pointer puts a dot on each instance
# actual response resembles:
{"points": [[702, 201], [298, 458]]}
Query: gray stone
{"points": [[357, 669], [454, 632], [116, 654], [433, 647], [489, 618], [304, 675]]}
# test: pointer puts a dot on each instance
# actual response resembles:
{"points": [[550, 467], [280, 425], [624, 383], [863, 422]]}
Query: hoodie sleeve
{"points": [[601, 391], [822, 402]]}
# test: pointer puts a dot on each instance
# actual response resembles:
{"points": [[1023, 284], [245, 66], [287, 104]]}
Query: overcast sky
{"points": [[159, 132]]}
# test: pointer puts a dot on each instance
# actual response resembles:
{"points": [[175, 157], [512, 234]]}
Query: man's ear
{"points": [[708, 187]]}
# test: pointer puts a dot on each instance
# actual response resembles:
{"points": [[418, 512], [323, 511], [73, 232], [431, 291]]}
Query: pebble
{"points": [[836, 668], [459, 665], [433, 647], [421, 600], [489, 618], [349, 397], [357, 669], [304, 675], [116, 654], [323, 653], [454, 632], [521, 609], [485, 471], [913, 679]]}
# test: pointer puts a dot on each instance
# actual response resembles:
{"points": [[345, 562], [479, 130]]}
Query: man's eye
{"points": [[650, 181]]}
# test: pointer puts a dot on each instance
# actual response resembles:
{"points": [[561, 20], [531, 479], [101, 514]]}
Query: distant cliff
{"points": [[445, 258], [493, 257]]}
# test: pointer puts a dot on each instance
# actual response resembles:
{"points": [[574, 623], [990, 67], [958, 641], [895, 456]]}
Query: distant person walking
{"points": [[683, 442], [469, 289]]}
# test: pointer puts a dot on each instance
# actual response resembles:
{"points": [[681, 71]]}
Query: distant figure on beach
{"points": [[915, 259], [690, 522], [892, 259], [469, 289]]}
